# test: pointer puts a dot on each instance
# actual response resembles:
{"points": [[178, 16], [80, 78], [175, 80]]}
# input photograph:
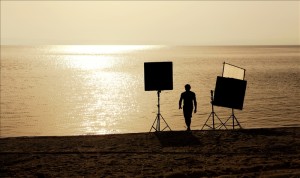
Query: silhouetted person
{"points": [[189, 102]]}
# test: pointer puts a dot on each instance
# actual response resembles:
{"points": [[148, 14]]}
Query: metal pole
{"points": [[223, 69], [233, 117], [212, 108], [158, 113]]}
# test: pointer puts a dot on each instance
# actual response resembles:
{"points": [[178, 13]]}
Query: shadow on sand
{"points": [[177, 139]]}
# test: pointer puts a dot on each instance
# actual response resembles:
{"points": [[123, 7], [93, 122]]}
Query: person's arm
{"points": [[180, 101], [195, 104]]}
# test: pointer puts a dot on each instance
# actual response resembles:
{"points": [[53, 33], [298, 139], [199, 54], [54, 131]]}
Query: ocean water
{"points": [[86, 90]]}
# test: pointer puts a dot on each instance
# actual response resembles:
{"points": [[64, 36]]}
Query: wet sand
{"points": [[224, 153]]}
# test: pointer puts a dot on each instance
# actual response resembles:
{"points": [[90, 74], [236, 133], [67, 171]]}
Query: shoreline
{"points": [[130, 133], [265, 152]]}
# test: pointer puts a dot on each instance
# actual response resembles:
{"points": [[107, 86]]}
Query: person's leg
{"points": [[187, 117], [188, 123]]}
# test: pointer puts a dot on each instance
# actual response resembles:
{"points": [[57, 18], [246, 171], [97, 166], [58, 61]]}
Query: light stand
{"points": [[158, 116], [233, 119], [213, 115]]}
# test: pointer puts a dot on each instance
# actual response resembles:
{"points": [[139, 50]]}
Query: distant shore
{"points": [[223, 153]]}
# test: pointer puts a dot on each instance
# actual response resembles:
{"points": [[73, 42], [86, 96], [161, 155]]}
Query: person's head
{"points": [[187, 87]]}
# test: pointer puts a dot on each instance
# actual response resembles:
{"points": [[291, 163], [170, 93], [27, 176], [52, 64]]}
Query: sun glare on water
{"points": [[99, 69], [89, 57], [103, 49]]}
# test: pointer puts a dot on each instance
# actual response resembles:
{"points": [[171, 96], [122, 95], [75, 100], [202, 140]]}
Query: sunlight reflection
{"points": [[87, 62], [106, 96], [89, 57], [109, 100], [102, 49]]}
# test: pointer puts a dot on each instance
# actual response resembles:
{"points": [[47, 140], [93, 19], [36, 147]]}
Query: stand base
{"points": [[234, 119], [213, 115], [157, 121]]}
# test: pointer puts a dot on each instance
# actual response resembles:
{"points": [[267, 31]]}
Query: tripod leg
{"points": [[227, 120], [222, 124], [233, 119], [156, 120], [205, 124], [167, 126], [238, 123]]}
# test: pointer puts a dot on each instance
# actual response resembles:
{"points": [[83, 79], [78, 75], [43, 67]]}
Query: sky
{"points": [[150, 22]]}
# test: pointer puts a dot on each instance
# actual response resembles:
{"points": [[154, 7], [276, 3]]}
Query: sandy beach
{"points": [[223, 153]]}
